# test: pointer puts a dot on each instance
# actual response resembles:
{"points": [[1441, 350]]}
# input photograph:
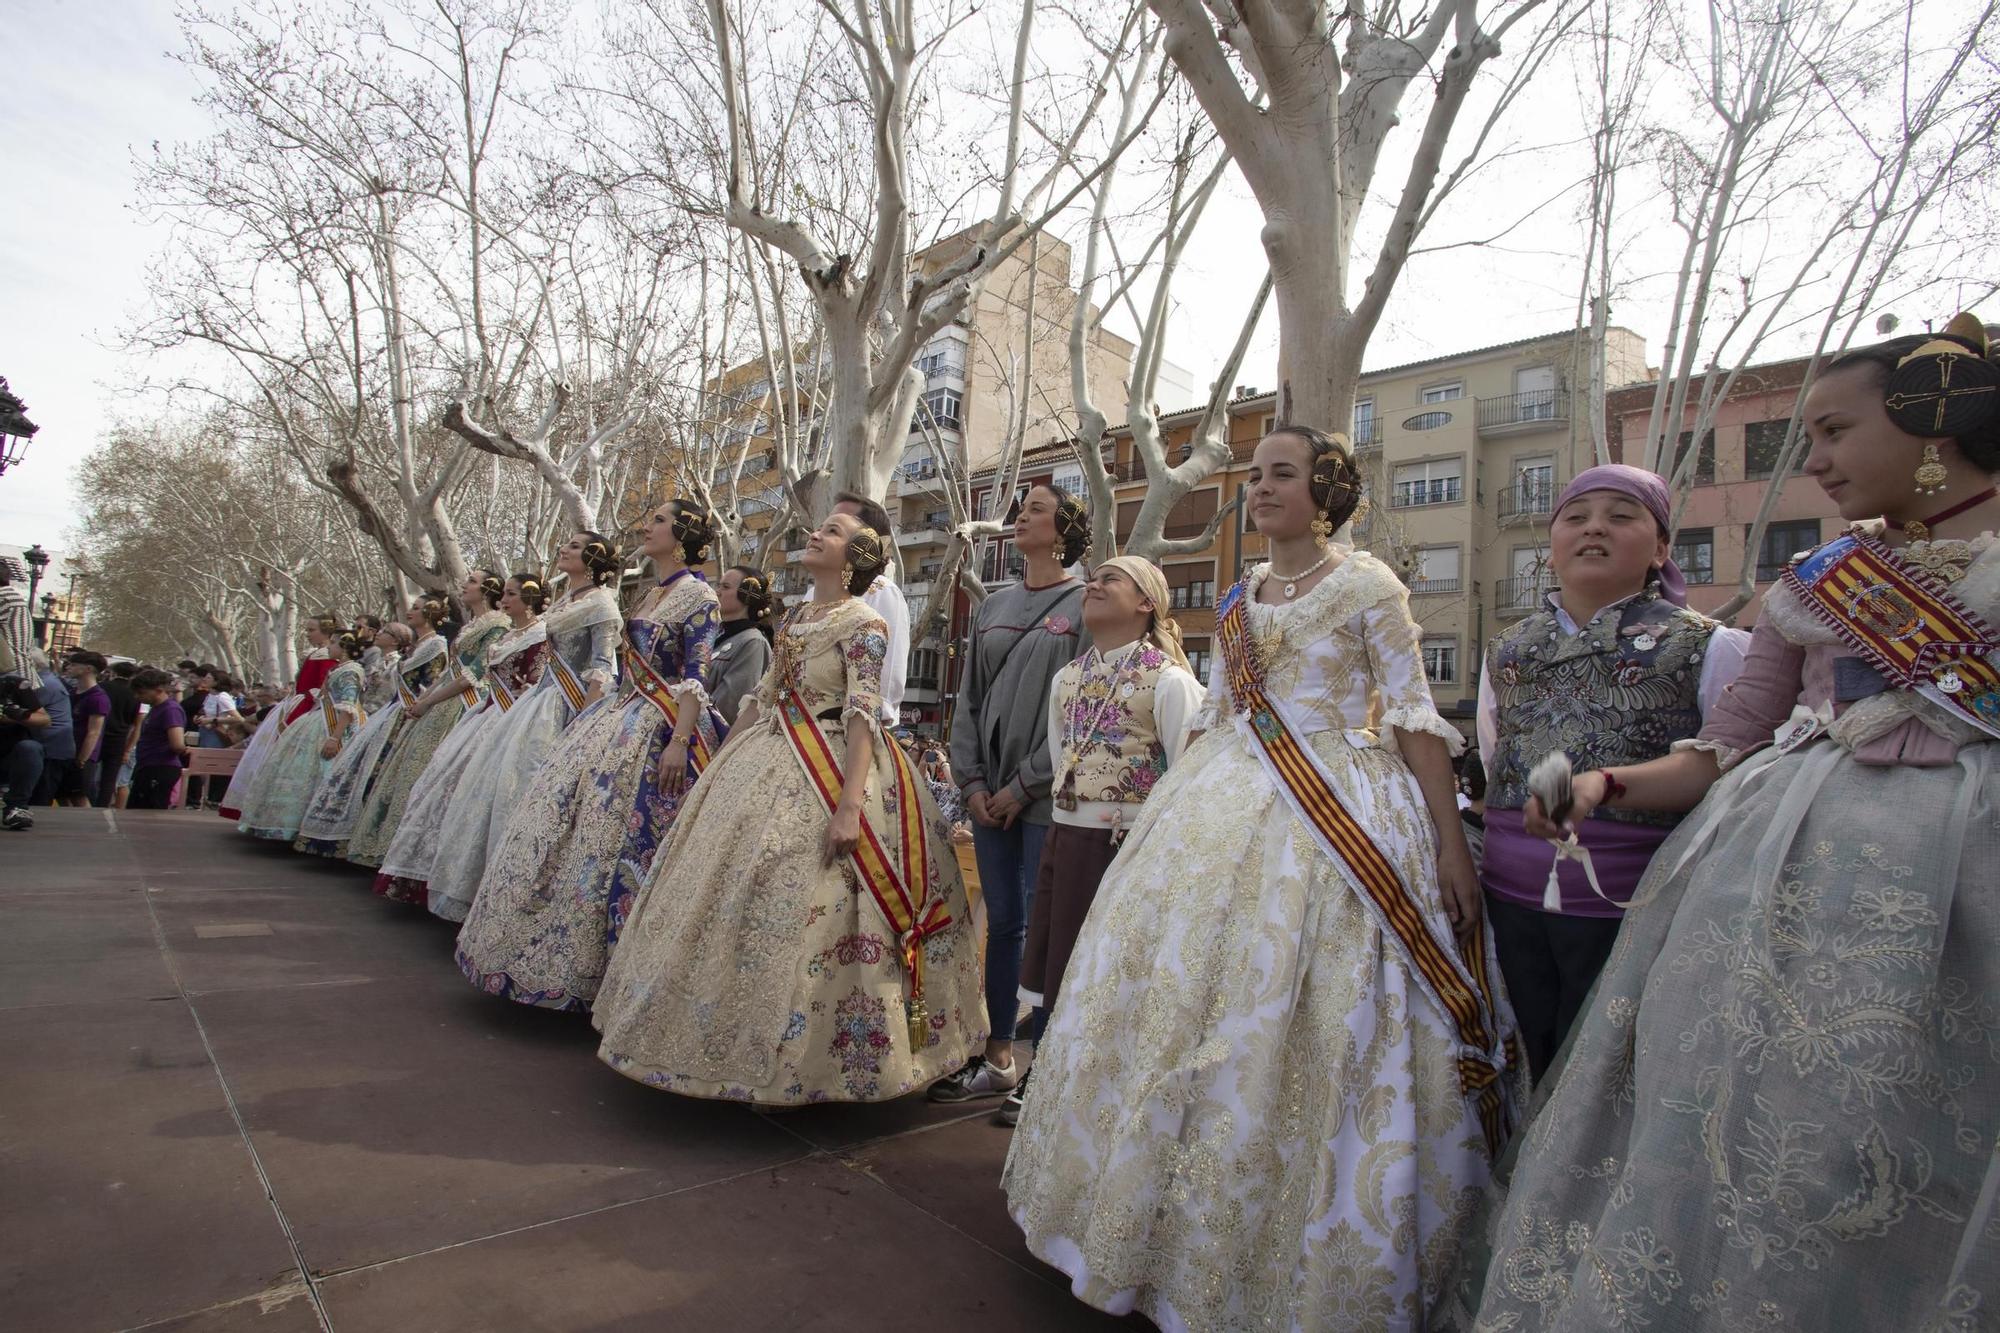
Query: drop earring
{"points": [[1322, 528], [1931, 476]]}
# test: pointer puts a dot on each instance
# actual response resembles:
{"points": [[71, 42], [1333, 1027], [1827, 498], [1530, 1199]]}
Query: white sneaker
{"points": [[976, 1082]]}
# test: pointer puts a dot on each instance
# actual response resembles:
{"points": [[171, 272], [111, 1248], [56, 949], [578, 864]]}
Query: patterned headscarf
{"points": [[1151, 581]]}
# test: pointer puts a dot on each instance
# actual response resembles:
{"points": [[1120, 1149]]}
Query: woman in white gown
{"points": [[513, 665], [1270, 1095], [329, 820], [579, 663]]}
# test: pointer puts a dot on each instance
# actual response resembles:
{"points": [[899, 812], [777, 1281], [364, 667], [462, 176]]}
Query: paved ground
{"points": [[237, 1091]]}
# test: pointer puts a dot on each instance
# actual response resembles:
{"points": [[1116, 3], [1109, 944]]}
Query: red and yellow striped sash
{"points": [[1457, 979], [1905, 624], [655, 690], [330, 713], [468, 690], [497, 683], [898, 884], [566, 680]]}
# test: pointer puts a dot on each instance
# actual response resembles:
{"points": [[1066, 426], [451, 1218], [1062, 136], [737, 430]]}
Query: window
{"points": [[1198, 661], [1704, 467], [1439, 482], [923, 673], [1441, 661], [1436, 570], [1532, 489], [1442, 393], [1069, 479], [943, 406], [1694, 552], [1782, 541], [1193, 595], [941, 360], [1763, 445], [1367, 430]]}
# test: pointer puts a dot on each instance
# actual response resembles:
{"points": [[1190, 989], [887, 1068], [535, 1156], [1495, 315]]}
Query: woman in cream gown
{"points": [[578, 841], [756, 966], [582, 634], [1249, 1112], [513, 665], [306, 749], [443, 691], [329, 820]]}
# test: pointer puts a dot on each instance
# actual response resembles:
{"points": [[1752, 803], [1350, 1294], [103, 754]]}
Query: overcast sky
{"points": [[92, 83]]}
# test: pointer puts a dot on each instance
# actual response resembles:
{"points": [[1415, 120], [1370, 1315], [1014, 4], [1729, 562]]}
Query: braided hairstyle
{"points": [[694, 529], [1072, 522], [436, 610], [533, 591], [600, 557], [352, 645], [491, 587], [1336, 481], [866, 557], [1914, 370], [753, 589]]}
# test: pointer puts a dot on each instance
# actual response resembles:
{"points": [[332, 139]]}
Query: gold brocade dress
{"points": [[750, 969]]}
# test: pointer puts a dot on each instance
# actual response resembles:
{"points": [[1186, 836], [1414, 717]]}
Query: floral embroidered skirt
{"points": [[1781, 1109], [1245, 1113], [753, 971], [409, 752]]}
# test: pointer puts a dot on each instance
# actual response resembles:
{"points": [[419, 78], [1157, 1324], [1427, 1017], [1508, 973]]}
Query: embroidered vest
{"points": [[1111, 744], [1621, 692]]}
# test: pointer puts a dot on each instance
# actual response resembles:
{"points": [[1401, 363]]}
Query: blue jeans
{"points": [[1008, 861], [23, 773]]}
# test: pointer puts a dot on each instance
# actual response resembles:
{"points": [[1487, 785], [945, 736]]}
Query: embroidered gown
{"points": [[413, 744], [576, 846], [750, 969], [313, 671], [583, 635], [1245, 1113], [515, 659], [330, 816], [1782, 1109], [275, 806]]}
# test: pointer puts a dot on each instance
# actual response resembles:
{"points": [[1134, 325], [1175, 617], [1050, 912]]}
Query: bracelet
{"points": [[1613, 788]]}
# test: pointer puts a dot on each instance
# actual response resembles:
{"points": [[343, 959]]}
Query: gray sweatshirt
{"points": [[1000, 732]]}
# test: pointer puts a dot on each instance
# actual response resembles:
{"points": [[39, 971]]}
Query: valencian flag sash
{"points": [[566, 681], [497, 683], [331, 713], [1905, 623], [1459, 984], [897, 883], [468, 690], [404, 692], [655, 690]]}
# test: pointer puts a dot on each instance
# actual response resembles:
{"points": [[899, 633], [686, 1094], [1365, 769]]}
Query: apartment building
{"points": [[1463, 455], [1735, 468]]}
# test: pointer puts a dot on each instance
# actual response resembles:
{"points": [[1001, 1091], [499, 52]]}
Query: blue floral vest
{"points": [[1621, 692]]}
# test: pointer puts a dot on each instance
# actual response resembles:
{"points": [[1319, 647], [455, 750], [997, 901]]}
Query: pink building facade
{"points": [[1732, 477]]}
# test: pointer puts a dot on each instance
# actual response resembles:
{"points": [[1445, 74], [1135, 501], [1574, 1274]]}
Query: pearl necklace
{"points": [[1292, 580]]}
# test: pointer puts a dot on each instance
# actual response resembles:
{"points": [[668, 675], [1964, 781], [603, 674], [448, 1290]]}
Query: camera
{"points": [[18, 699]]}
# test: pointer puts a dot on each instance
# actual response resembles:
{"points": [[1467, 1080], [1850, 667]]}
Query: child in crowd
{"points": [[1613, 670], [162, 747]]}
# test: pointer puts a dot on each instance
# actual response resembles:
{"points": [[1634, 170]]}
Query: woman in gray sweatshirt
{"points": [[1021, 636]]}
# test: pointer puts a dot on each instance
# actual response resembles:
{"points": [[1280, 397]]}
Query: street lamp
{"points": [[15, 428], [46, 632], [38, 560]]}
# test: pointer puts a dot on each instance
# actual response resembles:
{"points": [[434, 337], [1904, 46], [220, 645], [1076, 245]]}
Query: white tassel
{"points": [[1549, 781]]}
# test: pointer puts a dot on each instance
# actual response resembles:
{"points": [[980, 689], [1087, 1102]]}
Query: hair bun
{"points": [[1946, 386]]}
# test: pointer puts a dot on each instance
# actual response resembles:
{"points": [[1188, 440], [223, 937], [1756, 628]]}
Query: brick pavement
{"points": [[241, 1092]]}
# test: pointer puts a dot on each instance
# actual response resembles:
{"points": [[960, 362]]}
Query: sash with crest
{"points": [[898, 884], [1905, 623], [1460, 984], [654, 688]]}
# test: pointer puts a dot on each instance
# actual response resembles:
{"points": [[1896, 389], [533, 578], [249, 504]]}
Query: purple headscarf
{"points": [[1649, 490]]}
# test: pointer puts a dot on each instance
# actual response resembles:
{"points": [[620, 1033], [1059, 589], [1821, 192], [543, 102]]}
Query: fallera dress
{"points": [[1781, 1110], [411, 747], [583, 636], [274, 807], [313, 671], [750, 969], [578, 843], [1247, 1112], [513, 664], [330, 816]]}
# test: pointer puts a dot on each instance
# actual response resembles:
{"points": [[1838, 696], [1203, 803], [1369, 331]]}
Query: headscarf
{"points": [[1151, 581], [1649, 490]]}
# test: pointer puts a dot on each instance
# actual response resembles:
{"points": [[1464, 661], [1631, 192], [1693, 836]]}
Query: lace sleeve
{"points": [[865, 651], [1396, 661]]}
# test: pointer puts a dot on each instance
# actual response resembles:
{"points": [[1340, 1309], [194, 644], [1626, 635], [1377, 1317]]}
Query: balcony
{"points": [[1524, 593], [1523, 413], [922, 537], [1526, 501], [1367, 433], [1430, 587], [1421, 494]]}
